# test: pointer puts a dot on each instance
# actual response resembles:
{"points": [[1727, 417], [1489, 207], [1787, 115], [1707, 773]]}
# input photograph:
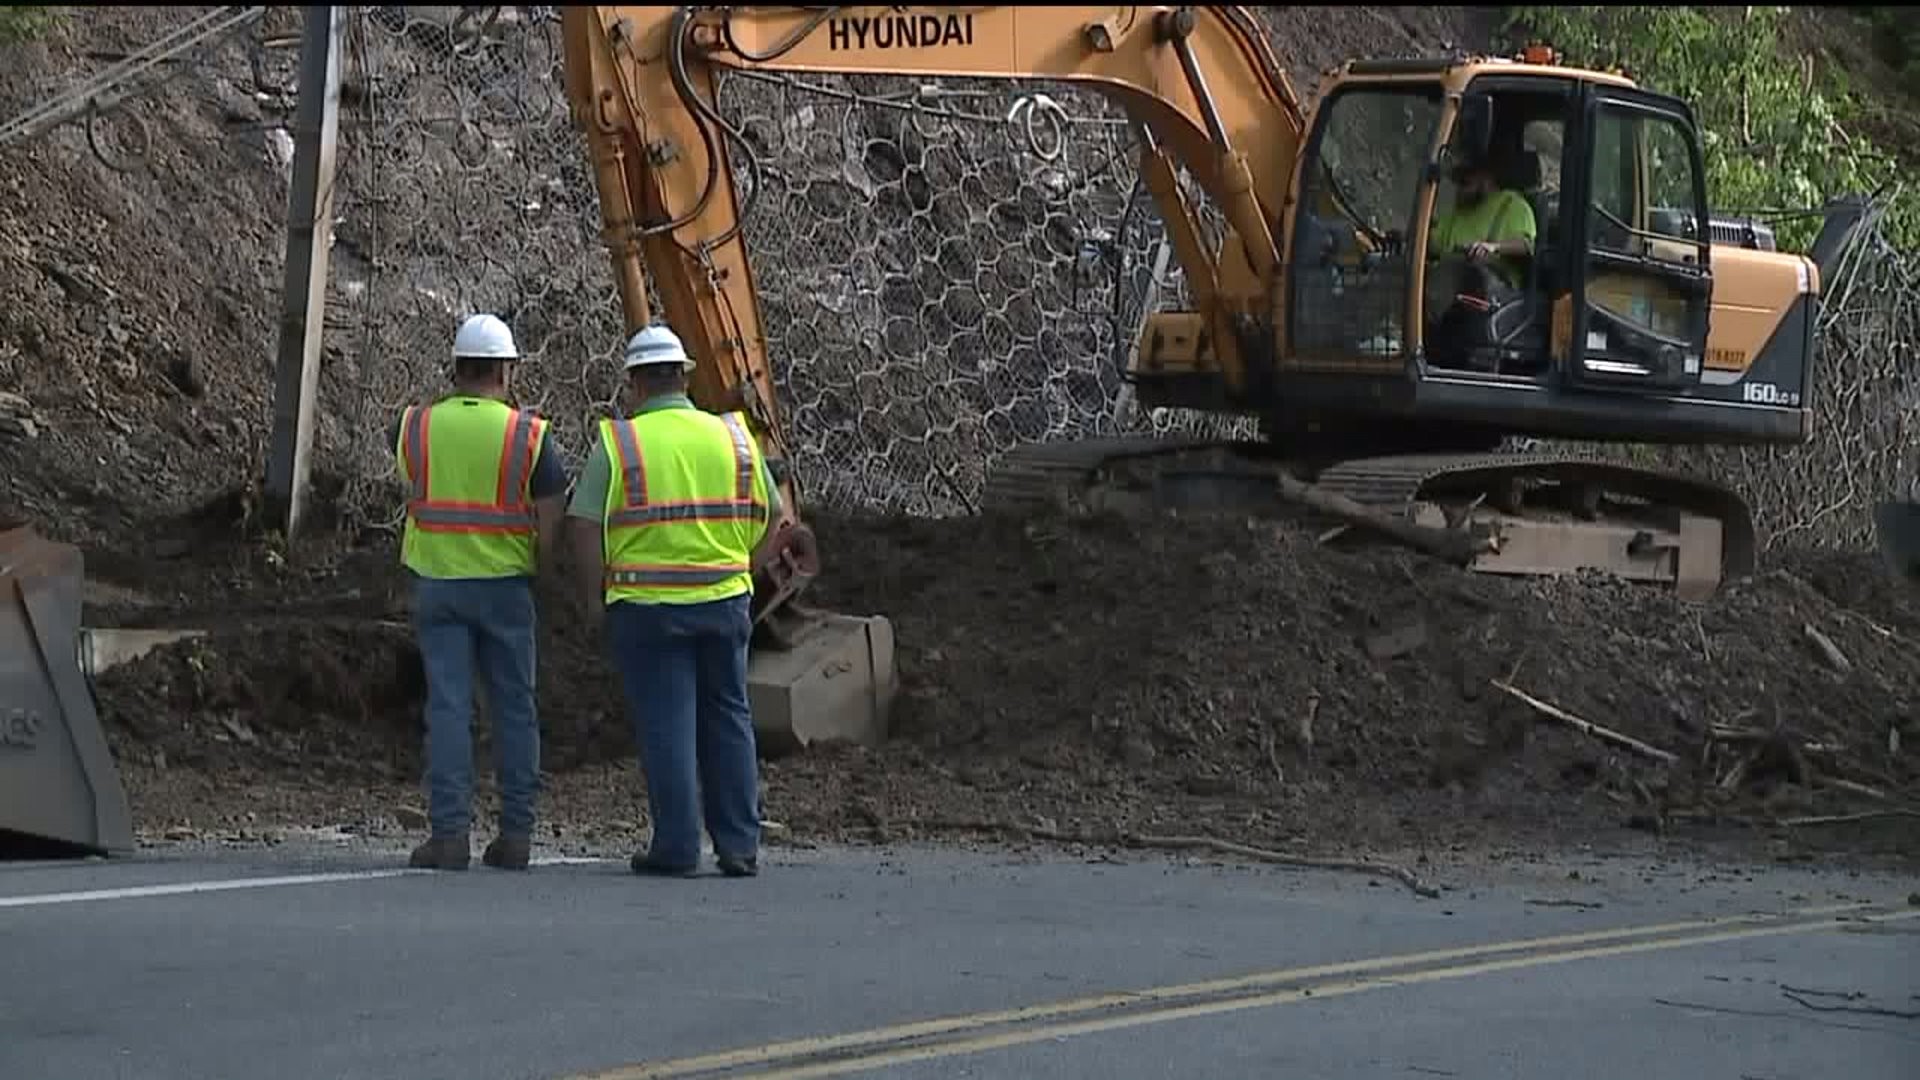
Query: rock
{"points": [[16, 417], [409, 818], [1398, 641]]}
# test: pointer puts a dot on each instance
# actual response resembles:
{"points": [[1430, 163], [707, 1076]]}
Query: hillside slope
{"points": [[143, 288]]}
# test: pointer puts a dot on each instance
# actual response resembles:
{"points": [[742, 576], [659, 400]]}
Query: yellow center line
{"points": [[1166, 995], [984, 1043]]}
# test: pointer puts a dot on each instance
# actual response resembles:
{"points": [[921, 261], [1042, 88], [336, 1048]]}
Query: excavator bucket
{"points": [[59, 788], [1896, 527], [813, 676], [825, 678]]}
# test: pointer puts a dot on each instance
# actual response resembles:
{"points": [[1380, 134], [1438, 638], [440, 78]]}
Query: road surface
{"points": [[292, 965]]}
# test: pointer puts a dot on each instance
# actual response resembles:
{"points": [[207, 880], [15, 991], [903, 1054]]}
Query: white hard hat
{"points": [[655, 345], [485, 337]]}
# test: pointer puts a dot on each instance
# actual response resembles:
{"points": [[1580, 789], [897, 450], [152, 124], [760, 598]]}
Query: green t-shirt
{"points": [[590, 493], [1502, 216]]}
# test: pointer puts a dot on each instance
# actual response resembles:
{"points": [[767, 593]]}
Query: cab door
{"points": [[1636, 312]]}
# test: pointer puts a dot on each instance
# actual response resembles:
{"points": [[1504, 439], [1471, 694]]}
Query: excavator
{"points": [[1329, 313], [1636, 317]]}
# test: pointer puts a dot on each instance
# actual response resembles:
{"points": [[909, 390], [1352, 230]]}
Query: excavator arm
{"points": [[1200, 82]]}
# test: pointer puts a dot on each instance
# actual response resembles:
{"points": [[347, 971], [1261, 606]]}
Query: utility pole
{"points": [[304, 289]]}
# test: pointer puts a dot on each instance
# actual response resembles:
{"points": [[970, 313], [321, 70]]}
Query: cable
{"points": [[92, 95]]}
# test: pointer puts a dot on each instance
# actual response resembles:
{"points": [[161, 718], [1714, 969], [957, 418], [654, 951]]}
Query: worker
{"points": [[1493, 229], [665, 519], [486, 493]]}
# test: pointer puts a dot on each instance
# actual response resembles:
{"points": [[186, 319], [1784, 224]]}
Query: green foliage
{"points": [[1896, 40], [25, 22], [1773, 136]]}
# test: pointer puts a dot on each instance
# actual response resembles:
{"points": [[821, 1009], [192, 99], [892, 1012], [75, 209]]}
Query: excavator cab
{"points": [[1606, 330]]}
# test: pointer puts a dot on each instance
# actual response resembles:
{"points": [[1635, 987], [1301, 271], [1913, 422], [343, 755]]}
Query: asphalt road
{"points": [[333, 965]]}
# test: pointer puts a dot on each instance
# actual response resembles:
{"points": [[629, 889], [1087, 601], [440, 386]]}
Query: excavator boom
{"points": [[641, 80]]}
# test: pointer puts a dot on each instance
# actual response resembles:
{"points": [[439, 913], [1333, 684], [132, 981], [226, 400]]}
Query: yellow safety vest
{"points": [[682, 520], [468, 463]]}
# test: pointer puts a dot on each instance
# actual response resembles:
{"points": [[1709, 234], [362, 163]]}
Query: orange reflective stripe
{"points": [[516, 459], [454, 517], [416, 442], [688, 577]]}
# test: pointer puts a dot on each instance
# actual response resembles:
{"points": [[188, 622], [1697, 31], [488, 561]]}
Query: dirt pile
{"points": [[1235, 678]]}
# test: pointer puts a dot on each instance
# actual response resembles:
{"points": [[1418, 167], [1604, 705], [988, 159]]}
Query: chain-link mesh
{"points": [[945, 270]]}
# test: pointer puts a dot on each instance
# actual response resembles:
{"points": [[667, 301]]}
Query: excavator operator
{"points": [[1492, 228]]}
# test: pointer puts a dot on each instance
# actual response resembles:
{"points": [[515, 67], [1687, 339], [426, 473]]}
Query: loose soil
{"points": [[1099, 675]]}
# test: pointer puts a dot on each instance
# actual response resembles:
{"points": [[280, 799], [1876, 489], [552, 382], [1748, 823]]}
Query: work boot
{"points": [[643, 863], [442, 853], [739, 865], [508, 851]]}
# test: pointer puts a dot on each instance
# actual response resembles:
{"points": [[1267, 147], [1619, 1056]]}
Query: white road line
{"points": [[179, 888]]}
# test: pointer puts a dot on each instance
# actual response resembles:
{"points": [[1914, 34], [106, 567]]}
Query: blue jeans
{"points": [[684, 667], [490, 622]]}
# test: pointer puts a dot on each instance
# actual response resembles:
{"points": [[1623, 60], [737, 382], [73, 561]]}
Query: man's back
{"points": [[474, 465]]}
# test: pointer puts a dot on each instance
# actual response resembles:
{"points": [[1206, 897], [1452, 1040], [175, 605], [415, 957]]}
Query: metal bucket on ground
{"points": [[60, 791]]}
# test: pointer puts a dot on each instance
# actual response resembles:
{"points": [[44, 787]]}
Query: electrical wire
{"points": [[98, 94]]}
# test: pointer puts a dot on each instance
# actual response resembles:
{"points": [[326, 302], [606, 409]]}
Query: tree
{"points": [[1774, 138]]}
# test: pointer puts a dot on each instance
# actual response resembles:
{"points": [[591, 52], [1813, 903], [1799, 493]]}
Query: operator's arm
{"points": [[586, 515], [1511, 231]]}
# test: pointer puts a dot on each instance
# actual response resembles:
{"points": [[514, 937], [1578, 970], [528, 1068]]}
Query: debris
{"points": [[1456, 547], [1853, 786], [1847, 819], [1801, 998], [1281, 858], [1209, 685], [1829, 652], [1398, 641], [1587, 727], [16, 417]]}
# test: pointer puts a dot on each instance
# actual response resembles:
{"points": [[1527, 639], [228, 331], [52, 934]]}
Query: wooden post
{"points": [[304, 288]]}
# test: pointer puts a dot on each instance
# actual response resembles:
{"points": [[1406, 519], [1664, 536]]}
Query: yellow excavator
{"points": [[1331, 313], [1385, 368]]}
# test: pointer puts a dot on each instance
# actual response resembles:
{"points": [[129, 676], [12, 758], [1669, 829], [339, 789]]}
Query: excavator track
{"points": [[1543, 513]]}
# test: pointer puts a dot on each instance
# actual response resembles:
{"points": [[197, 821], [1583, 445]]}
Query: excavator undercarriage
{"points": [[1512, 513]]}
